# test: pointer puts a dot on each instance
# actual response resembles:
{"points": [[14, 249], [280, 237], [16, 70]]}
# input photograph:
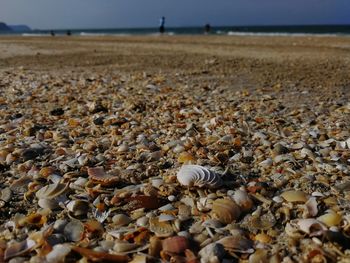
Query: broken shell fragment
{"points": [[243, 200], [213, 252], [311, 226], [330, 219], [177, 244], [95, 256], [294, 196]]}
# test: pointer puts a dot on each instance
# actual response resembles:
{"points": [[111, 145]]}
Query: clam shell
{"points": [[74, 230], [175, 244], [99, 176], [237, 243], [19, 249], [121, 220], [225, 210], [330, 219], [294, 196], [196, 175], [51, 191], [58, 253], [48, 203], [78, 208], [160, 229]]}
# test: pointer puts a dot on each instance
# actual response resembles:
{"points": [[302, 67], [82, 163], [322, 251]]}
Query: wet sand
{"points": [[268, 115]]}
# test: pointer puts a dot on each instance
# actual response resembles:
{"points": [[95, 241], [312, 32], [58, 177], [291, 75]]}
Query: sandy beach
{"points": [[94, 132]]}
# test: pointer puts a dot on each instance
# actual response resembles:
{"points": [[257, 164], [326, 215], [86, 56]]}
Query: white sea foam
{"points": [[235, 33], [35, 35]]}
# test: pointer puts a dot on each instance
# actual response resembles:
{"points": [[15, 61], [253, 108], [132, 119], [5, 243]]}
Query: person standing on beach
{"points": [[161, 25], [207, 28]]}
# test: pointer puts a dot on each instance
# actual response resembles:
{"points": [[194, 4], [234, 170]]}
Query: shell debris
{"points": [[123, 161]]}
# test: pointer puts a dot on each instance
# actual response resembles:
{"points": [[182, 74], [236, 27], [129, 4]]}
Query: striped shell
{"points": [[196, 175]]}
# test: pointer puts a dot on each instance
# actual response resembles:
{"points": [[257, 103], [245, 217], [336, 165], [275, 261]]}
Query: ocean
{"points": [[325, 30]]}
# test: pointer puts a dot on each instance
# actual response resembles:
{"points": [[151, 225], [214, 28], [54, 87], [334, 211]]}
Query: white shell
{"points": [[196, 175]]}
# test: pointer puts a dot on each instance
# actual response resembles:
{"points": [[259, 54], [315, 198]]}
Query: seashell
{"points": [[167, 207], [175, 244], [51, 191], [212, 223], [139, 259], [256, 221], [196, 175], [93, 228], [155, 246], [279, 149], [58, 253], [21, 185], [260, 255], [160, 229], [99, 176], [184, 212], [165, 217], [143, 201], [311, 226], [123, 148], [311, 206], [172, 198], [294, 196], [78, 208], [237, 243], [263, 238], [266, 163], [95, 256], [124, 246], [19, 249], [157, 182], [35, 219], [243, 200], [330, 219], [6, 194], [142, 221], [121, 220], [185, 157], [225, 210], [74, 230], [213, 252]]}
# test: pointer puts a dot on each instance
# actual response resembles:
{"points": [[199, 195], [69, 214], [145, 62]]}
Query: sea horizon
{"points": [[331, 29]]}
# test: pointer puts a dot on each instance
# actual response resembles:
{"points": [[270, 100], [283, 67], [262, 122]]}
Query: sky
{"points": [[74, 14]]}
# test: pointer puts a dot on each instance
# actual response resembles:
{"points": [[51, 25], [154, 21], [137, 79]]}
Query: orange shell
{"points": [[99, 176], [177, 244]]}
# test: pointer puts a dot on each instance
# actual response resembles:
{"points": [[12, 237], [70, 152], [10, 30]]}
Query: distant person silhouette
{"points": [[52, 33], [207, 28], [161, 25], [69, 33]]}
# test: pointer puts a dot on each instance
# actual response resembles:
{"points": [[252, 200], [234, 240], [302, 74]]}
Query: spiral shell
{"points": [[196, 175]]}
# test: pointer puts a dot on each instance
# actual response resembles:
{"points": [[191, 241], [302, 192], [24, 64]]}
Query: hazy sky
{"points": [[46, 14]]}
